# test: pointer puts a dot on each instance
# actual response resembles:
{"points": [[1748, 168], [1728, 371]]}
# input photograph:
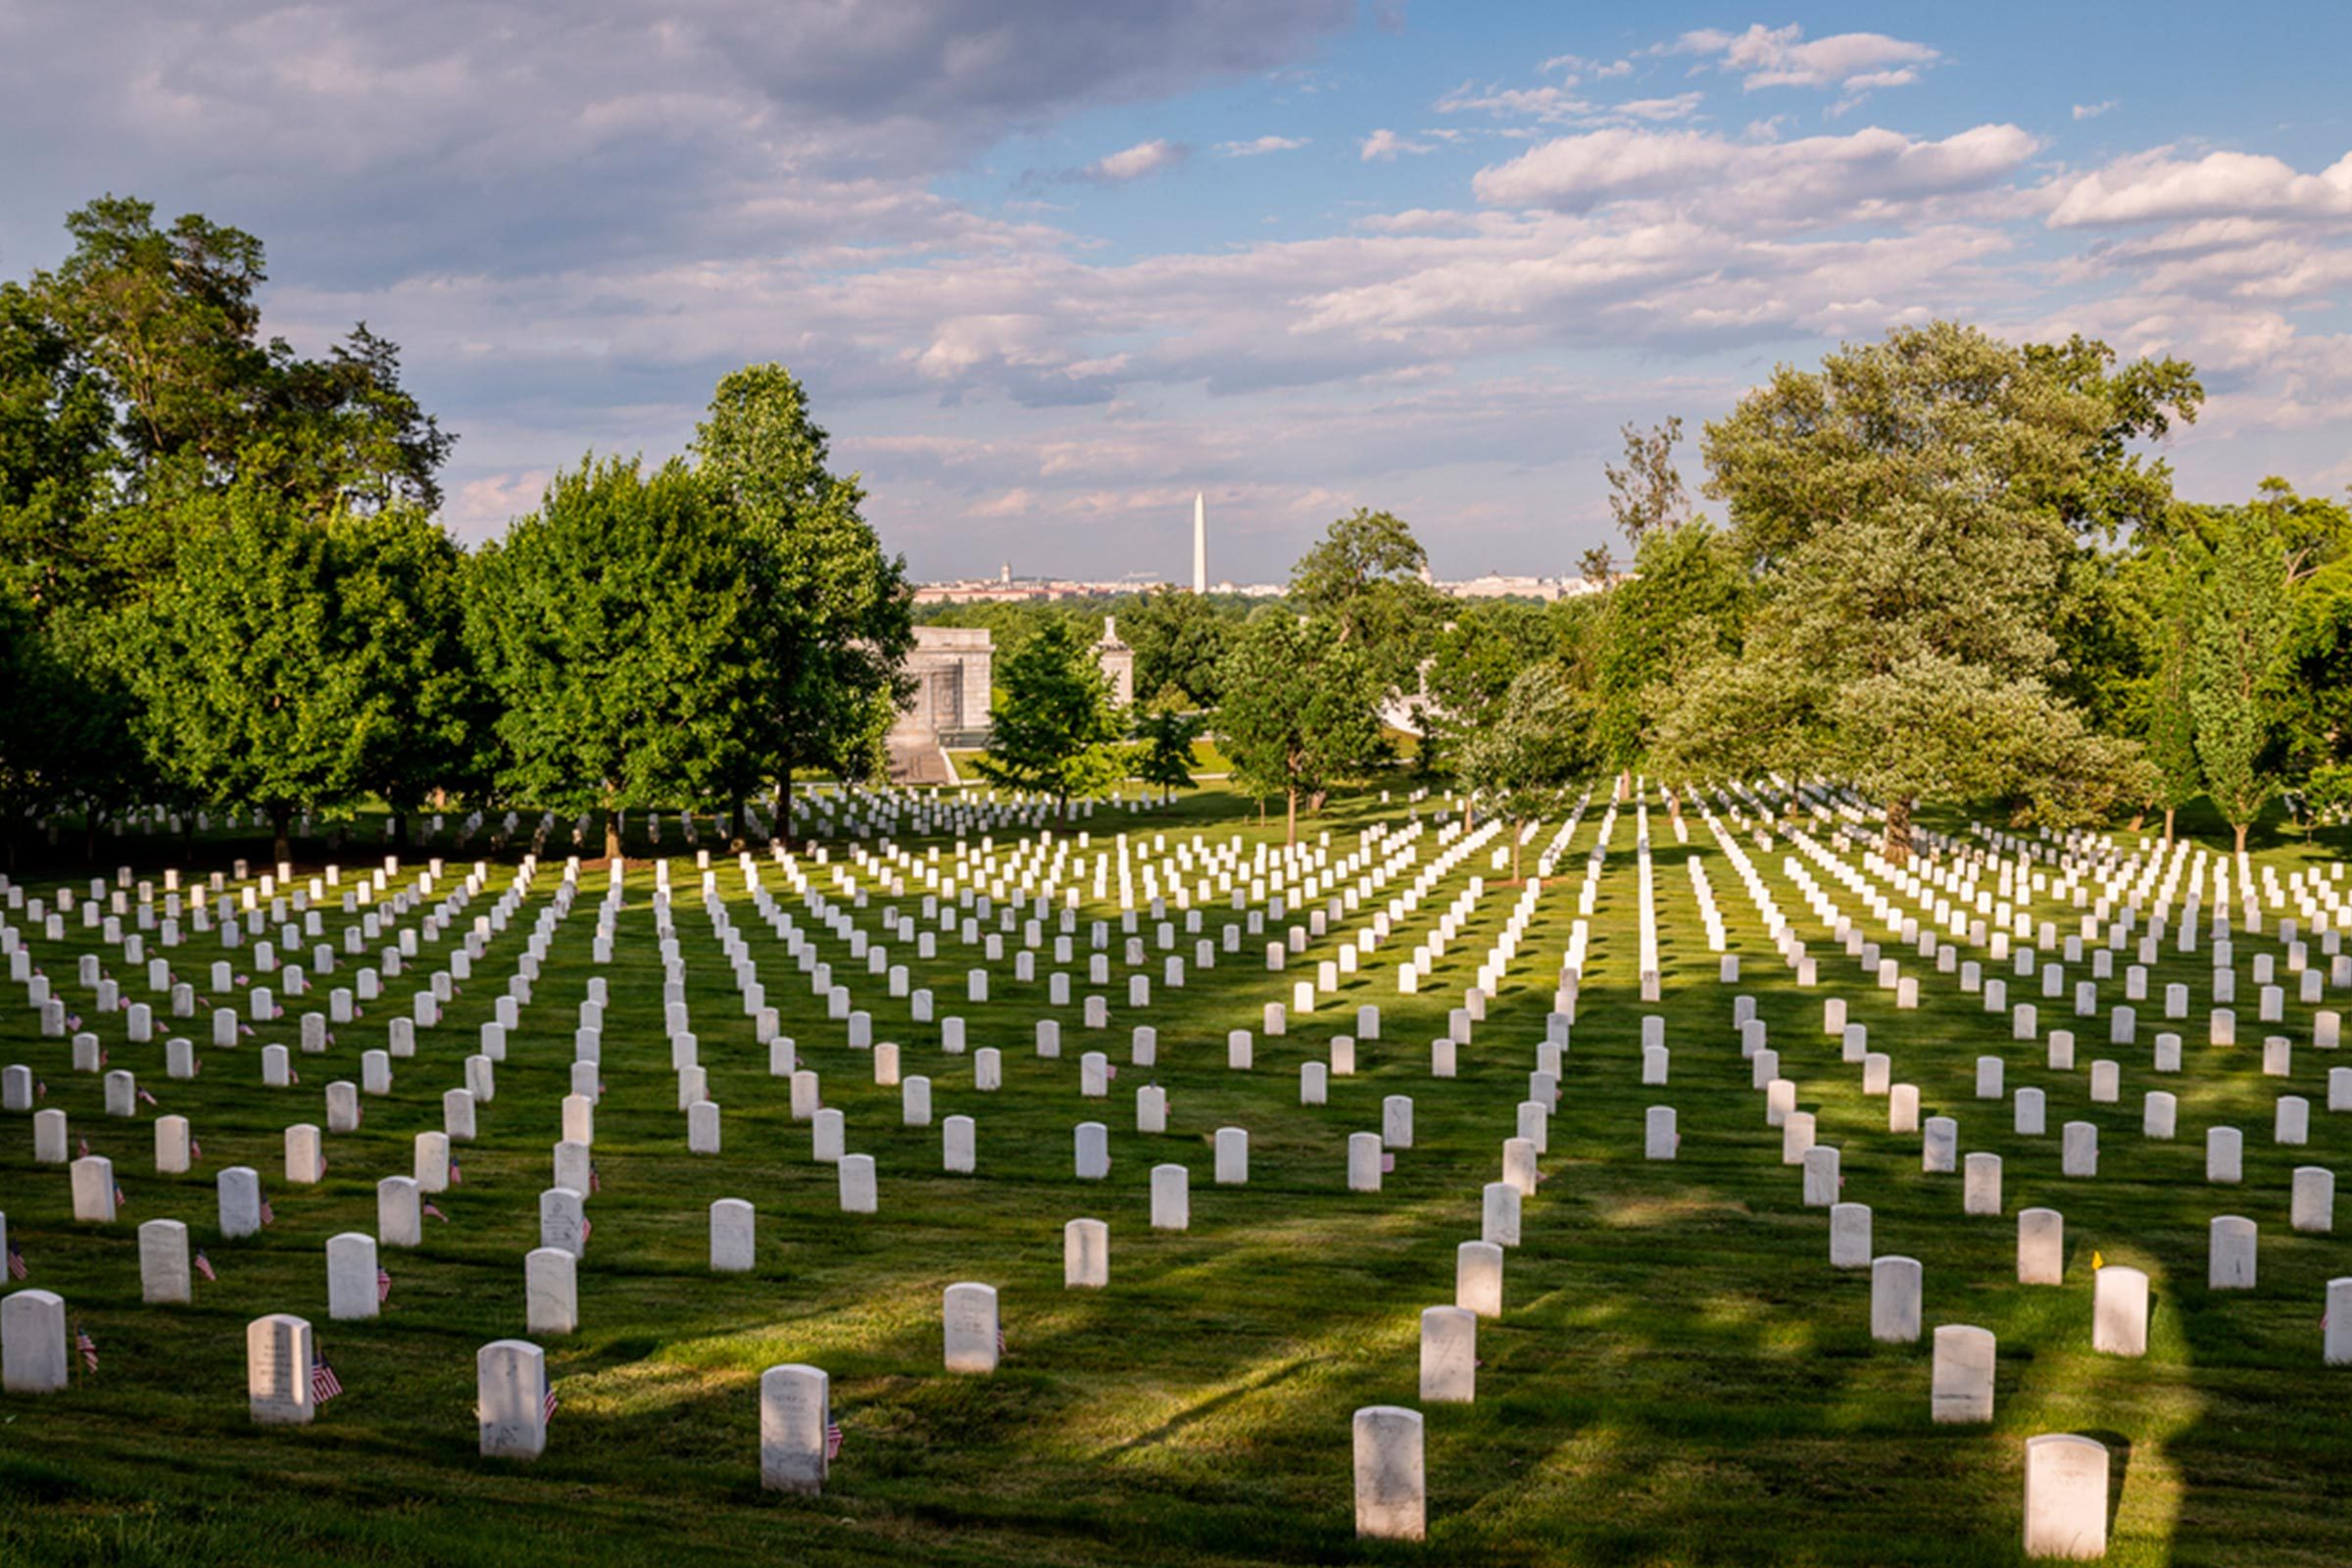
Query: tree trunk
{"points": [[2241, 835], [282, 832], [1896, 845], [399, 828], [2168, 827], [783, 831], [1290, 814], [735, 822], [1517, 842], [1465, 811], [611, 828]]}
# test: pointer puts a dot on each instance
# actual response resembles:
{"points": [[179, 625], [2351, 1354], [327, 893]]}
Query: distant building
{"points": [[1118, 663], [954, 670]]}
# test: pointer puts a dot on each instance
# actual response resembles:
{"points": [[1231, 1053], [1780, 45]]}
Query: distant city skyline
{"points": [[1049, 268]]}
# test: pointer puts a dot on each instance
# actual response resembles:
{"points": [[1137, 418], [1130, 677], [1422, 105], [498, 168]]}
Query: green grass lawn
{"points": [[1679, 1377]]}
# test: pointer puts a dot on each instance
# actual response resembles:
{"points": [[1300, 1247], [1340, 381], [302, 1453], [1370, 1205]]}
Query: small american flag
{"points": [[325, 1385], [547, 1407], [1111, 1072], [40, 1089], [268, 1214], [293, 1075], [457, 1177], [832, 1441], [104, 1056], [120, 1201], [1388, 1164], [587, 1229], [195, 1150], [16, 1263], [146, 1097], [383, 1286], [203, 1266], [999, 1342], [596, 1178], [86, 1148], [434, 1211], [87, 1347]]}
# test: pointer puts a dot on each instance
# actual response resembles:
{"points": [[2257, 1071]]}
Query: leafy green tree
{"points": [[817, 672], [1471, 664], [1163, 753], [1300, 710], [1904, 512], [1647, 497], [2242, 628], [251, 679], [1179, 641], [1366, 577], [1684, 605], [403, 585], [167, 321], [1523, 763], [602, 622], [1055, 729], [56, 459], [2171, 580]]}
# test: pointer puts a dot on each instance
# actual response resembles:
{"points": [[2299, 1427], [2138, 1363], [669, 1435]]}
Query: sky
{"points": [[1050, 266]]}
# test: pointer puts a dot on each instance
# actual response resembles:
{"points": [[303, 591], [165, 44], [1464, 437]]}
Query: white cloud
{"points": [[1682, 106], [1144, 159], [2155, 186], [1547, 103], [1261, 146], [1817, 179], [1383, 144], [2093, 111], [1779, 56]]}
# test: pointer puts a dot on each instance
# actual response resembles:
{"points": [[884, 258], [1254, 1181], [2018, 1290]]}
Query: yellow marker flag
{"points": [[2096, 1261]]}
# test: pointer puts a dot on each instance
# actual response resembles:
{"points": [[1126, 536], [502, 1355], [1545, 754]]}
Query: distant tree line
{"points": [[1950, 570], [222, 578]]}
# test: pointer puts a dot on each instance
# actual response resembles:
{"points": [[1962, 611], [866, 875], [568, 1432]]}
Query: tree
{"points": [[602, 623], [1055, 729], [1905, 512], [1471, 664], [167, 323], [253, 680], [1646, 496], [1522, 764], [817, 670], [403, 586], [55, 459], [1300, 710], [2243, 628], [1163, 755], [1683, 605], [1365, 577], [2170, 575], [1178, 642]]}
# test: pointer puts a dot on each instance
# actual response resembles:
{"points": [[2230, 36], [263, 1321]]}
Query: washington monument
{"points": [[1199, 544]]}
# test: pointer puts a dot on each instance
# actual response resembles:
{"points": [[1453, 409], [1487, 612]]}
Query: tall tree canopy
{"points": [[1523, 762], [1366, 578], [252, 670], [1179, 641], [1906, 513], [1055, 727], [1301, 712], [1684, 605], [817, 671], [599, 620]]}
